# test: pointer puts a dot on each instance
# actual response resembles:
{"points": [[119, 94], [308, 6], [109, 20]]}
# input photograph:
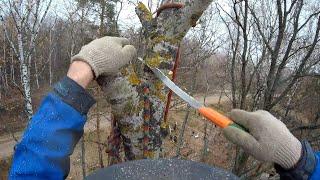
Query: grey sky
{"points": [[127, 17]]}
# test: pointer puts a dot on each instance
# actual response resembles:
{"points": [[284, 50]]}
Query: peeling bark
{"points": [[136, 96]]}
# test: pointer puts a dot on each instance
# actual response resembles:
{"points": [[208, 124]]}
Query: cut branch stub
{"points": [[136, 96]]}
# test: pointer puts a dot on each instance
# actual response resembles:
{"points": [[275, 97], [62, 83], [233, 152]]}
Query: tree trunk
{"points": [[136, 95], [1, 83], [185, 121], [83, 158], [100, 154], [12, 68], [244, 58], [102, 14], [25, 78], [205, 137], [50, 71], [182, 130], [36, 73], [24, 66], [5, 62], [51, 50], [233, 69], [240, 161]]}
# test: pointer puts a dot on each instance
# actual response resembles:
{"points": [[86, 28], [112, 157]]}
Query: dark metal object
{"points": [[161, 169]]}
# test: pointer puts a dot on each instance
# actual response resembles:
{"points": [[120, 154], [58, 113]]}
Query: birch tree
{"points": [[27, 17]]}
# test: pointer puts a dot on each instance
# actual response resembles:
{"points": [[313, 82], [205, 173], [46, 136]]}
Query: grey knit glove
{"points": [[106, 55], [268, 138]]}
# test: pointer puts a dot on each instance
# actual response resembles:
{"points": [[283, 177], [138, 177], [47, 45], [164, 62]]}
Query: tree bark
{"points": [[102, 14], [100, 154], [244, 57], [83, 158], [5, 61], [136, 95], [205, 137], [36, 71], [12, 68], [25, 76]]}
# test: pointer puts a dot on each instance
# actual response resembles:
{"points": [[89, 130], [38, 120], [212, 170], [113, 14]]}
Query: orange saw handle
{"points": [[219, 119]]}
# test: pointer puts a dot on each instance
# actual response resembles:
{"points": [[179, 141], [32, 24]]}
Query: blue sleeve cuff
{"points": [[74, 95], [304, 168]]}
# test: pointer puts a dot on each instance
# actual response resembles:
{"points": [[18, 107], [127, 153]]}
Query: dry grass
{"points": [[220, 152], [91, 156]]}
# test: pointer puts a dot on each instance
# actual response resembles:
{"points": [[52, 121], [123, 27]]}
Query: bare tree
{"points": [[272, 48], [27, 18]]}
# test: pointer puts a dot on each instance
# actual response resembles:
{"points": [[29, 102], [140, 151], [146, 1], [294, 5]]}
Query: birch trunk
{"points": [[25, 80], [27, 19], [25, 76], [136, 96]]}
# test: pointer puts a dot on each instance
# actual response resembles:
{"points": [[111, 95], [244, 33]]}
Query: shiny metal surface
{"points": [[171, 85]]}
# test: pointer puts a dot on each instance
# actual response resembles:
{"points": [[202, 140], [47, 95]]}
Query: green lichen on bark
{"points": [[136, 96], [147, 15]]}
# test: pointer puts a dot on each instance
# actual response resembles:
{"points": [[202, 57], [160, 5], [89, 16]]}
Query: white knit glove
{"points": [[268, 138], [106, 55]]}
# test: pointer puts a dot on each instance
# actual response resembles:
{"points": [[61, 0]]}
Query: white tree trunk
{"points": [[25, 80], [27, 16], [25, 76]]}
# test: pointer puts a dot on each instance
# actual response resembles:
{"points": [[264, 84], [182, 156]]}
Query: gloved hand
{"points": [[268, 138], [106, 55]]}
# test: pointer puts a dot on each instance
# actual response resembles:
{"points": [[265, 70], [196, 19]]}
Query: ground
{"points": [[220, 152]]}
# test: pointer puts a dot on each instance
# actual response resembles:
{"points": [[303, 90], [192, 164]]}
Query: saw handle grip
{"points": [[219, 119]]}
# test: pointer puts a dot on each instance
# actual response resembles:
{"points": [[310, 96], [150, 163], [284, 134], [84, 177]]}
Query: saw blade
{"points": [[171, 85]]}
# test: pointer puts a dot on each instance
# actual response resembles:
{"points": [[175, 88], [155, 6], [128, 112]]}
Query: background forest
{"points": [[241, 54]]}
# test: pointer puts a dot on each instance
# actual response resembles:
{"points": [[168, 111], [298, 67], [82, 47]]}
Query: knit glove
{"points": [[268, 138], [106, 55]]}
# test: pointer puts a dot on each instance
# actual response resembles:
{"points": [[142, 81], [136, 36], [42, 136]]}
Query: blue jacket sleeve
{"points": [[316, 172], [52, 134], [308, 167]]}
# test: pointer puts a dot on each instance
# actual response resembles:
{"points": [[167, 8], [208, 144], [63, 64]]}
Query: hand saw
{"points": [[209, 113]]}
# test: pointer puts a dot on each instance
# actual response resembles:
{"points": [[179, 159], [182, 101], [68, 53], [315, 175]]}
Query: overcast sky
{"points": [[127, 17]]}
